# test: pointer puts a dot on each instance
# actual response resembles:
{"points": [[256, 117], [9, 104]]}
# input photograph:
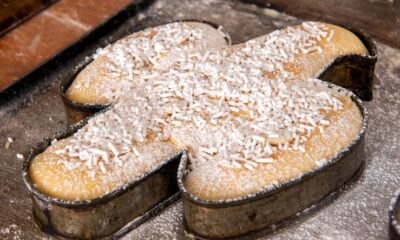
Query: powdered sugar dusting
{"points": [[222, 105]]}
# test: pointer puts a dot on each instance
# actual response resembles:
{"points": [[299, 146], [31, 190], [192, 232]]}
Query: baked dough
{"points": [[249, 116]]}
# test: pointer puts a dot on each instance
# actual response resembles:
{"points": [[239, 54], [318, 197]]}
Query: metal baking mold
{"points": [[77, 111], [111, 215], [352, 71], [394, 217], [236, 217]]}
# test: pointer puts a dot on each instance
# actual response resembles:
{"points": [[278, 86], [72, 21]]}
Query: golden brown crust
{"points": [[54, 179]]}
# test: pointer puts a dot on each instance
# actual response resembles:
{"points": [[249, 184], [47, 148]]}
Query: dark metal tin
{"points": [[236, 217], [128, 206], [111, 215], [77, 111], [394, 217], [354, 72]]}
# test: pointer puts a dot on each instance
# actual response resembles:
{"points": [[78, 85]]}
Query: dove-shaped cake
{"points": [[246, 118]]}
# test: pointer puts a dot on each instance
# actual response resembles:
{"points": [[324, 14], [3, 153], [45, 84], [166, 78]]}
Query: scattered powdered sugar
{"points": [[12, 230], [8, 143], [165, 230], [17, 232]]}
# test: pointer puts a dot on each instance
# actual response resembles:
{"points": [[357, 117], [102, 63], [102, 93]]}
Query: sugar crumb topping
{"points": [[134, 59], [236, 106]]}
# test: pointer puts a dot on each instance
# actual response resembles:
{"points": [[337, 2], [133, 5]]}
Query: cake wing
{"points": [[133, 59]]}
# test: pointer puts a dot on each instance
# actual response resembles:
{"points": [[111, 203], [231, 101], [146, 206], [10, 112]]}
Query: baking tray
{"points": [[33, 111]]}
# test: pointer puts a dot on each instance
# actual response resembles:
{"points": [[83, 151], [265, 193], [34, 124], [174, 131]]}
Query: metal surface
{"points": [[359, 211]]}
